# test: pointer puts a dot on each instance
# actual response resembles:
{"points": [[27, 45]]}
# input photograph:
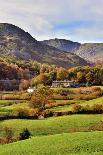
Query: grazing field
{"points": [[6, 106], [60, 104], [94, 101], [68, 106], [82, 143], [71, 133], [55, 125], [4, 103]]}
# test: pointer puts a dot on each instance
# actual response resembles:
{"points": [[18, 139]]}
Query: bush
{"points": [[25, 134], [97, 108], [88, 93], [94, 89], [34, 113], [21, 112], [76, 108], [8, 134]]}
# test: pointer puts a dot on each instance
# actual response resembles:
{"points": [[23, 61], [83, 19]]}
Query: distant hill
{"points": [[89, 51], [63, 44], [18, 44]]}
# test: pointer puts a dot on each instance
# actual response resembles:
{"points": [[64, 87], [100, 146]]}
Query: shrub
{"points": [[98, 127], [97, 108], [21, 112], [25, 134], [34, 113], [76, 108], [94, 89], [8, 134]]}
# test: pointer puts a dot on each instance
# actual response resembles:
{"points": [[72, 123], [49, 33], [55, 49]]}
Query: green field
{"points": [[82, 143], [94, 101], [7, 102], [6, 106], [61, 105], [76, 134], [54, 125], [68, 104]]}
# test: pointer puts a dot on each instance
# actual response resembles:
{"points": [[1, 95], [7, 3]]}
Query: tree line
{"points": [[37, 73], [83, 75]]}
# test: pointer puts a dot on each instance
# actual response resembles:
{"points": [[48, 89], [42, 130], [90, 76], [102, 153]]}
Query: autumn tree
{"points": [[81, 77], [41, 97], [62, 74], [40, 79], [24, 84]]}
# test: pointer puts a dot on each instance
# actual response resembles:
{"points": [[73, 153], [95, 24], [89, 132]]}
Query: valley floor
{"points": [[74, 134], [79, 143], [55, 125]]}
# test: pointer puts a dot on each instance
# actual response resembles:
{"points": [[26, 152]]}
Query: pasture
{"points": [[55, 125], [73, 134], [79, 143]]}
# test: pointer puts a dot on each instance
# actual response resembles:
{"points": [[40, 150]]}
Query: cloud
{"points": [[76, 19]]}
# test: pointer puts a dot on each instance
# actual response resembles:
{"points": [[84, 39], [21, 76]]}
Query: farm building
{"points": [[63, 83]]}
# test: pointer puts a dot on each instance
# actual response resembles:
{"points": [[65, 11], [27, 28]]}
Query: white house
{"points": [[63, 83], [31, 89]]}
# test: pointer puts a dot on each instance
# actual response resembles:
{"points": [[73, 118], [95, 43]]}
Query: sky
{"points": [[76, 20]]}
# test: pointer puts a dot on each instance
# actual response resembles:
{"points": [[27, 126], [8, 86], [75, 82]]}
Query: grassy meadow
{"points": [[54, 125], [73, 134], [79, 143]]}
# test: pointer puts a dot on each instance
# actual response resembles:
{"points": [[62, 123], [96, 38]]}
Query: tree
{"points": [[24, 84], [41, 97], [40, 79], [62, 74], [89, 78], [81, 77]]}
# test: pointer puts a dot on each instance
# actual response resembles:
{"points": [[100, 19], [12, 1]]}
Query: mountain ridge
{"points": [[16, 43], [92, 52], [63, 44]]}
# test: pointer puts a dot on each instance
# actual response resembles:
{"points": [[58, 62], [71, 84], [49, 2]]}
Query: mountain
{"points": [[92, 52], [18, 44], [63, 44]]}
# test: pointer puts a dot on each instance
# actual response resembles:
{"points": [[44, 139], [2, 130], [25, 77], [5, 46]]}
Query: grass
{"points": [[7, 106], [61, 88], [16, 106], [61, 108], [60, 105], [82, 143], [68, 104], [53, 125], [94, 101], [6, 102], [65, 135], [65, 102]]}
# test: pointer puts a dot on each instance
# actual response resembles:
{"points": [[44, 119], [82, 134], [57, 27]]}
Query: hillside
{"points": [[84, 143], [18, 44], [63, 44], [89, 51]]}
